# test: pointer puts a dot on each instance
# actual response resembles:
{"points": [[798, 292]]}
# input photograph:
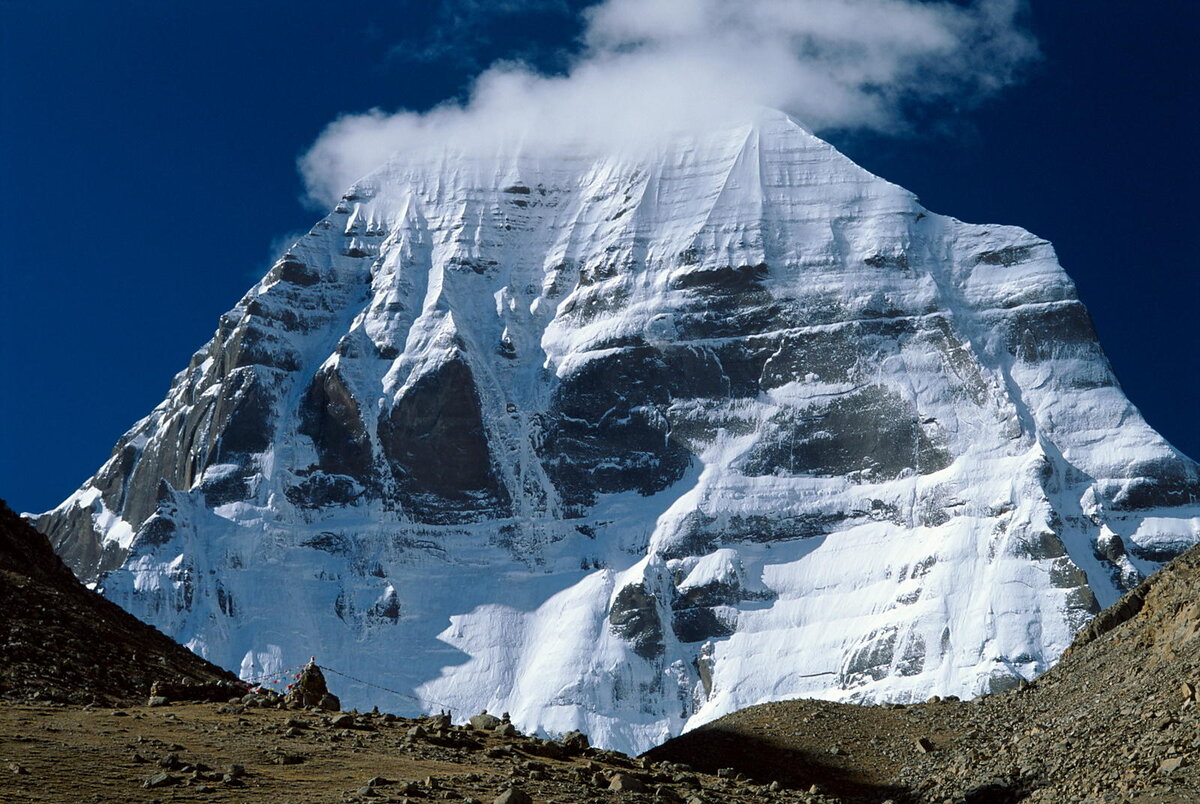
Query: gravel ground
{"points": [[206, 752]]}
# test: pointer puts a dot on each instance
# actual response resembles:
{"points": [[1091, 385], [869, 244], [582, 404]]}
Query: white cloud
{"points": [[649, 66]]}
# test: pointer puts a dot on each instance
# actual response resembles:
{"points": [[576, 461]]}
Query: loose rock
{"points": [[513, 795], [158, 780], [575, 741], [626, 783], [485, 722]]}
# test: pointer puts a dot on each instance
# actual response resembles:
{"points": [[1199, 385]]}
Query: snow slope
{"points": [[624, 442]]}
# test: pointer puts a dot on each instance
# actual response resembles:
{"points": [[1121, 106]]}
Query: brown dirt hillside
{"points": [[59, 641], [1116, 720]]}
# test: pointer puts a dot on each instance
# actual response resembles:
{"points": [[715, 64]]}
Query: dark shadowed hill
{"points": [[60, 641], [1116, 720]]}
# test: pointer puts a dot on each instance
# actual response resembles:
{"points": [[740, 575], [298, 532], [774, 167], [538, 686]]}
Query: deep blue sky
{"points": [[147, 170]]}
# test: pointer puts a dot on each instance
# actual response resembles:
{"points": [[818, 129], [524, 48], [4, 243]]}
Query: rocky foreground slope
{"points": [[60, 641], [627, 441], [1117, 720]]}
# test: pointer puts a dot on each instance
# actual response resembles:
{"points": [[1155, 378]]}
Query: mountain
{"points": [[1116, 719], [64, 643], [624, 442]]}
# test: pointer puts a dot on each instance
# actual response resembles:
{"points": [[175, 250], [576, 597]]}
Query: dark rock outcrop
{"points": [[437, 447], [634, 617]]}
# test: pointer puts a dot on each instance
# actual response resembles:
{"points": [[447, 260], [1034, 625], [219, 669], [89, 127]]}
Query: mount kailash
{"points": [[625, 442]]}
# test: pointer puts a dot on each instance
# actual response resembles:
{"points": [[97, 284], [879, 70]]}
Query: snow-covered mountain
{"points": [[626, 442]]}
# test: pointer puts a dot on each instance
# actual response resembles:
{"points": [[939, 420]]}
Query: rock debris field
{"points": [[211, 752]]}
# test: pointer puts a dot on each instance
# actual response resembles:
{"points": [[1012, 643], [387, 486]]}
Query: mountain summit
{"points": [[625, 442]]}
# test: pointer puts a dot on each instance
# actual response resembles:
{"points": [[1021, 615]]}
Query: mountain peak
{"points": [[626, 439]]}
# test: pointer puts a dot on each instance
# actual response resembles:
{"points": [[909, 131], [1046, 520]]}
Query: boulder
{"points": [[513, 795], [440, 721], [575, 741], [626, 783], [1171, 764], [160, 780], [485, 722]]}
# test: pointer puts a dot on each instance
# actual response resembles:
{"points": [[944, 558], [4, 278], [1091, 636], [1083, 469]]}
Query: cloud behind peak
{"points": [[650, 66]]}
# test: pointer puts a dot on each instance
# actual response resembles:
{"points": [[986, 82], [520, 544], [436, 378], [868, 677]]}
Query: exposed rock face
{"points": [[437, 448], [634, 618], [624, 442]]}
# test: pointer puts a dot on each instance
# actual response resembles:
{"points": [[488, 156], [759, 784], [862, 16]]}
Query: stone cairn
{"points": [[310, 690]]}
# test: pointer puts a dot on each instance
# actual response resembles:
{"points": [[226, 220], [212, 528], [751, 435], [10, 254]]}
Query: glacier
{"points": [[623, 442]]}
